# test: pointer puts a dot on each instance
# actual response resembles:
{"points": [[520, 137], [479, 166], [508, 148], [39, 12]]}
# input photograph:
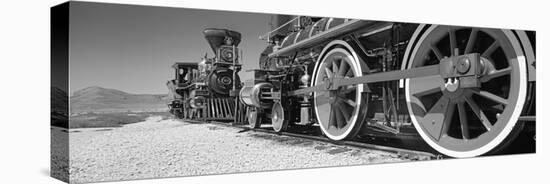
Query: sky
{"points": [[131, 48]]}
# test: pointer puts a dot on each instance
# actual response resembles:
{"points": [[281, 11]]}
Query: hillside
{"points": [[58, 99], [98, 99], [58, 107]]}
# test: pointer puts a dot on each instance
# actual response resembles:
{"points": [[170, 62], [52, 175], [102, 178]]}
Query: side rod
{"points": [[371, 78]]}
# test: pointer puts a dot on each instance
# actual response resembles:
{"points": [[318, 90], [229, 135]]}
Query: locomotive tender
{"points": [[467, 91], [207, 90]]}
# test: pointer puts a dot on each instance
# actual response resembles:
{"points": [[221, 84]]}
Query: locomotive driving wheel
{"points": [[468, 121], [254, 117], [278, 116], [338, 111]]}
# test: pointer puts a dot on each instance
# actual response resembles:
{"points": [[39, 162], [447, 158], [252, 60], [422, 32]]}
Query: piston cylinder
{"points": [[253, 95]]}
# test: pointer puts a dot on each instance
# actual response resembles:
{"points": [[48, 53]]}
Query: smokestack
{"points": [[215, 37]]}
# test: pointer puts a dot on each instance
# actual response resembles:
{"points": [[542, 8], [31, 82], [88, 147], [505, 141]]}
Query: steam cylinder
{"points": [[252, 95]]}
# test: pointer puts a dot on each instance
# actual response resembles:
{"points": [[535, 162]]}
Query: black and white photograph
{"points": [[151, 93], [246, 92]]}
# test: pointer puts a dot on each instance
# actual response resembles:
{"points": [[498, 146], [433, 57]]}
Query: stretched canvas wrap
{"points": [[152, 92]]}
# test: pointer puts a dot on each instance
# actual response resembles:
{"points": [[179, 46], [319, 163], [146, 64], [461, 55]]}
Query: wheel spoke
{"points": [[339, 117], [452, 37], [471, 40], [332, 117], [463, 121], [328, 73], [346, 108], [350, 73], [344, 113], [350, 102], [490, 49], [434, 118], [479, 113], [495, 74], [348, 89], [344, 67], [492, 97], [437, 52], [438, 106], [448, 119], [335, 68]]}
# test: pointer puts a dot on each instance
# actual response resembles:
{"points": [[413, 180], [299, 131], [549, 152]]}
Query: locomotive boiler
{"points": [[207, 90], [467, 91]]}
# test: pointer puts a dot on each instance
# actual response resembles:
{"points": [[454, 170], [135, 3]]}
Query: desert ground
{"points": [[160, 147]]}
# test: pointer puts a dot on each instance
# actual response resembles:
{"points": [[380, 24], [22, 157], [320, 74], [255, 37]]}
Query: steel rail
{"points": [[400, 151], [421, 155]]}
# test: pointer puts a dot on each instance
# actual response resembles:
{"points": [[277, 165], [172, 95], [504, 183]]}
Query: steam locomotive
{"points": [[467, 91], [207, 90]]}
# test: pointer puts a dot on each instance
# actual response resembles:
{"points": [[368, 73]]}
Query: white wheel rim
{"points": [[513, 117], [352, 57]]}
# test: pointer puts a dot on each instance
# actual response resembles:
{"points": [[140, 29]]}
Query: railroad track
{"points": [[361, 142]]}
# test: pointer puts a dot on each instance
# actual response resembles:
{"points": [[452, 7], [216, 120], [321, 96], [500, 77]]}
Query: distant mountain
{"points": [[58, 107], [98, 99], [59, 100]]}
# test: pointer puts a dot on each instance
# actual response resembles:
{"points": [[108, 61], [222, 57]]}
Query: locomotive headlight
{"points": [[227, 54]]}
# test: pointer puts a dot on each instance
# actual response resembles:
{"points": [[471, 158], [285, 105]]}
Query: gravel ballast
{"points": [[168, 148]]}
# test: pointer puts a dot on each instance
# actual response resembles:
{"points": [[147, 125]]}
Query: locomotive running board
{"points": [[346, 27]]}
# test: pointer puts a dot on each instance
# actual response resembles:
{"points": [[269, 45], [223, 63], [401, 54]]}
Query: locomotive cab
{"points": [[184, 73], [184, 76]]}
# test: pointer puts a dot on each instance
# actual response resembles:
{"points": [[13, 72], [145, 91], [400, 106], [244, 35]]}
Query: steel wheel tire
{"points": [[468, 122], [343, 117]]}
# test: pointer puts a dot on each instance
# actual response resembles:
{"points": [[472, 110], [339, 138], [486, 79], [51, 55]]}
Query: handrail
{"points": [[268, 34], [337, 30]]}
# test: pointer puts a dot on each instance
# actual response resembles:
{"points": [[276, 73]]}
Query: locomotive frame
{"points": [[467, 91]]}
